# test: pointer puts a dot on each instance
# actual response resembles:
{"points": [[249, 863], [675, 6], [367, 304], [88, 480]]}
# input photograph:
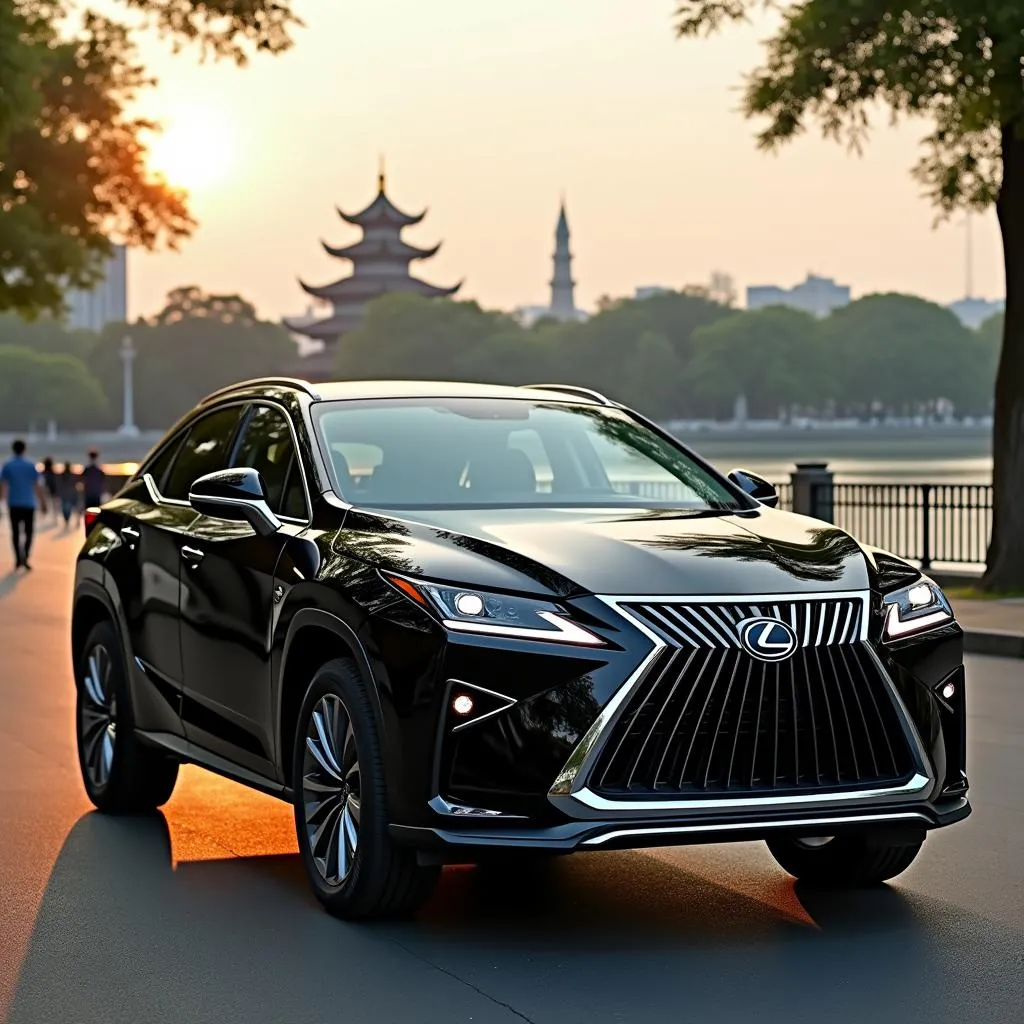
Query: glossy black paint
{"points": [[224, 624]]}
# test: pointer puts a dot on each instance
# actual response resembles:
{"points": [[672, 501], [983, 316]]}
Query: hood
{"points": [[616, 551]]}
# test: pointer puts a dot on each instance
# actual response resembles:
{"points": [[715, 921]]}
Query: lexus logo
{"points": [[767, 639]]}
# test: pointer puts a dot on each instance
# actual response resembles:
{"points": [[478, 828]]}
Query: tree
{"points": [[191, 301], [772, 356], [957, 63], [73, 174], [183, 356], [902, 354], [416, 338], [36, 387]]}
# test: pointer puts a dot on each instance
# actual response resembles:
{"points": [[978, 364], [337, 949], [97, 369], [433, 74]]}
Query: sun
{"points": [[194, 151]]}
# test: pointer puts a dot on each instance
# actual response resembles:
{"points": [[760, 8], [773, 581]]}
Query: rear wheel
{"points": [[341, 810], [120, 774], [846, 861]]}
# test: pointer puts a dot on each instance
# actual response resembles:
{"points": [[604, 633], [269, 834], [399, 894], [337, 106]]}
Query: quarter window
{"points": [[205, 450]]}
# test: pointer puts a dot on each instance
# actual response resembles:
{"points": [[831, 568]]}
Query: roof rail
{"points": [[572, 389], [292, 382]]}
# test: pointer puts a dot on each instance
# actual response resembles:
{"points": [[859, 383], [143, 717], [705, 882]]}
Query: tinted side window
{"points": [[157, 469], [266, 446], [205, 450]]}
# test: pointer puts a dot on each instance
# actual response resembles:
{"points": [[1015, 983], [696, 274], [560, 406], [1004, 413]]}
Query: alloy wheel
{"points": [[331, 790], [98, 716]]}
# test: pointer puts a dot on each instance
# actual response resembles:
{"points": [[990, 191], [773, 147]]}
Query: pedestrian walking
{"points": [[50, 483], [21, 487], [93, 481], [67, 492]]}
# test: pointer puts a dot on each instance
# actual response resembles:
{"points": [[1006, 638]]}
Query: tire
{"points": [[848, 861], [356, 869], [121, 775]]}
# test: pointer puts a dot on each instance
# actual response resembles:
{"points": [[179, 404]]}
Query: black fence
{"points": [[926, 523]]}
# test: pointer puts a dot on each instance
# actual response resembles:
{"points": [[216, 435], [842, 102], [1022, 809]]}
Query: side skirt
{"points": [[189, 753]]}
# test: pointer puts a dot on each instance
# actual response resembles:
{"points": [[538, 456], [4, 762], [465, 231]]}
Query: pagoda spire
{"points": [[380, 175]]}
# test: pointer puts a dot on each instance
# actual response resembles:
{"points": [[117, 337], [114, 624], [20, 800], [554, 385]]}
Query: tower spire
{"points": [[563, 299], [380, 173]]}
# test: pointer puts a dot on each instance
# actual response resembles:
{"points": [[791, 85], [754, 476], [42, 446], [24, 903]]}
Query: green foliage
{"points": [[773, 356], [957, 63], [680, 356], [183, 357], [903, 353], [73, 173], [36, 387]]}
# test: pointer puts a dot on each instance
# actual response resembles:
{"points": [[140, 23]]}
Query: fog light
{"points": [[469, 604], [463, 704], [948, 690]]}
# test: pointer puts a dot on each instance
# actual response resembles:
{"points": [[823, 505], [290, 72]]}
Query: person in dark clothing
{"points": [[21, 487], [93, 481], [67, 492], [50, 483]]}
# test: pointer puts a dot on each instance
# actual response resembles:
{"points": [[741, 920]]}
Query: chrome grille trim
{"points": [[570, 792], [821, 620]]}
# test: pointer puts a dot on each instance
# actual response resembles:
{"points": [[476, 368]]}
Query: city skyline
{"points": [[486, 116]]}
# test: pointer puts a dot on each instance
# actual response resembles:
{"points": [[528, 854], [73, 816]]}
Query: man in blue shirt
{"points": [[21, 487]]}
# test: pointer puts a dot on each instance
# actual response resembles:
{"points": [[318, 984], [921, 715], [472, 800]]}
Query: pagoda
{"points": [[380, 265]]}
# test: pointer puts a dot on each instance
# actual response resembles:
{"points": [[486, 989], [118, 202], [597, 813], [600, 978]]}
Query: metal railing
{"points": [[926, 523]]}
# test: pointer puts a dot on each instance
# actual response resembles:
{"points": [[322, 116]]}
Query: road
{"points": [[202, 913]]}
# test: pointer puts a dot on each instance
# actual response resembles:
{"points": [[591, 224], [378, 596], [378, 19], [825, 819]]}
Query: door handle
{"points": [[193, 555]]}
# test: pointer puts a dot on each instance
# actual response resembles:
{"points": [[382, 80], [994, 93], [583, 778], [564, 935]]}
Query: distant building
{"points": [[650, 291], [107, 302], [562, 306], [817, 295], [380, 266], [973, 313]]}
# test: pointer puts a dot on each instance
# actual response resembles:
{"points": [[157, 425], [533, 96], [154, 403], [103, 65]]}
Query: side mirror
{"points": [[757, 487], [236, 495]]}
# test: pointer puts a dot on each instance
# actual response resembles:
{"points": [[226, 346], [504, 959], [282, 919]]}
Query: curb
{"points": [[996, 642]]}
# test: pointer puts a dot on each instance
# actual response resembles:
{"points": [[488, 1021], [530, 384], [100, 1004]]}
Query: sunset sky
{"points": [[486, 112]]}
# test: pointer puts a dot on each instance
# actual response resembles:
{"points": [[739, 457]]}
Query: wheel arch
{"points": [[92, 605], [314, 638]]}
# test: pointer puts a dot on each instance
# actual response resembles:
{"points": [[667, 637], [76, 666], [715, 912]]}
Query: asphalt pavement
{"points": [[203, 914]]}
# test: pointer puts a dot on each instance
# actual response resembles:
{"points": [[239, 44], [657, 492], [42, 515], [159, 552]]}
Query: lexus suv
{"points": [[454, 623]]}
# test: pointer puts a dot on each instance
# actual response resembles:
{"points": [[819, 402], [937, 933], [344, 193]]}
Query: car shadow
{"points": [[124, 934]]}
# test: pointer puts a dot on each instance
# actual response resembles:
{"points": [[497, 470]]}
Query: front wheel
{"points": [[847, 861], [341, 810]]}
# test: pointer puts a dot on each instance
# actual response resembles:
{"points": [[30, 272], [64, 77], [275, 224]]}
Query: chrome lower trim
{"points": [[442, 806], [570, 793], [916, 785], [754, 826]]}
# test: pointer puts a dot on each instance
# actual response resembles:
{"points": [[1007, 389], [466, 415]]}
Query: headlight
{"points": [[915, 609], [476, 611]]}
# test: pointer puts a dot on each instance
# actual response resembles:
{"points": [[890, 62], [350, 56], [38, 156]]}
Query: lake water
{"points": [[923, 455]]}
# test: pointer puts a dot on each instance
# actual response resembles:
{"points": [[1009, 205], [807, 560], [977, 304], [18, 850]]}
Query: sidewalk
{"points": [[992, 627]]}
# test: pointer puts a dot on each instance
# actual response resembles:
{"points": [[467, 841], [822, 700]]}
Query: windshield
{"points": [[424, 453]]}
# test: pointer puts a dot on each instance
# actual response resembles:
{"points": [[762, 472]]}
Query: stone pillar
{"points": [[812, 490]]}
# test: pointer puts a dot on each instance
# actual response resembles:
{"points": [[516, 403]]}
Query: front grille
{"points": [[708, 719]]}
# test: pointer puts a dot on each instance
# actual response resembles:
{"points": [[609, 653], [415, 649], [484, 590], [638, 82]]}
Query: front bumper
{"points": [[477, 840]]}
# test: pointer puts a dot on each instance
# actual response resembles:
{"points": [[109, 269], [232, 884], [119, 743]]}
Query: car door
{"points": [[143, 570], [228, 602]]}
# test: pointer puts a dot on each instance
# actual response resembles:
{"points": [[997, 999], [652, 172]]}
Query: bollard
{"points": [[812, 490]]}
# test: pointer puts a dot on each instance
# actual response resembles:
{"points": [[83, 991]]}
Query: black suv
{"points": [[453, 622]]}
